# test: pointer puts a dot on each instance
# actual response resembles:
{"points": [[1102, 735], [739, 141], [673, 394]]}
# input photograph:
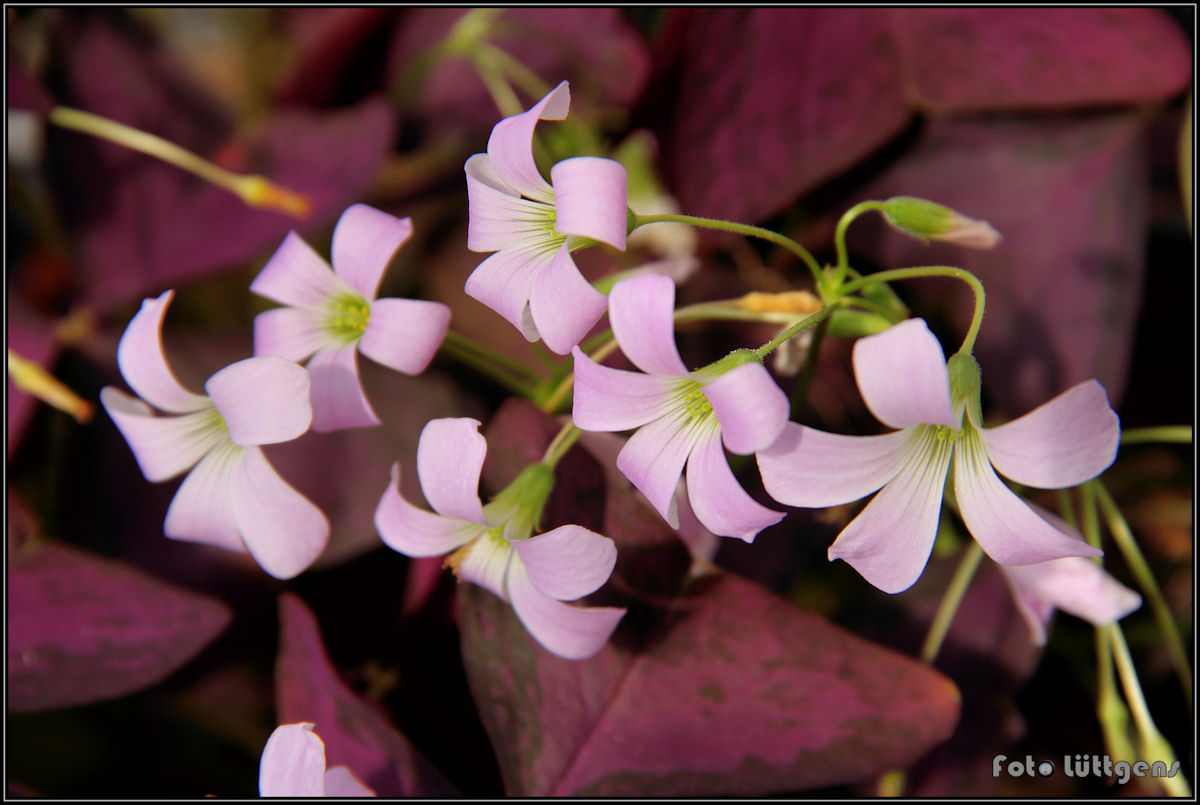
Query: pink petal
{"points": [[486, 563], [296, 275], [164, 446], [338, 398], [341, 782], [289, 332], [498, 218], [590, 199], [404, 334], [450, 457], [653, 460], [364, 242], [283, 530], [574, 633], [568, 562], [701, 543], [1073, 584], [202, 509], [890, 540], [718, 500], [642, 313], [808, 467], [293, 763], [1004, 525], [750, 406], [144, 364], [1064, 442], [902, 375], [563, 304], [511, 144], [502, 282], [416, 532], [262, 400], [613, 399]]}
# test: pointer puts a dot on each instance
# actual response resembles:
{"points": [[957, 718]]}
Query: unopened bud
{"points": [[926, 221]]}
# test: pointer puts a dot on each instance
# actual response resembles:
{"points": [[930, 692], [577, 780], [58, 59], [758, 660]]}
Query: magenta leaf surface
{"points": [[82, 628], [713, 686], [355, 732], [1064, 286], [974, 59], [774, 101]]}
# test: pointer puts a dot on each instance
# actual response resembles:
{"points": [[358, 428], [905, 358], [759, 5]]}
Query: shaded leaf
{"points": [[974, 59], [775, 101], [1064, 287], [355, 732], [328, 42], [82, 628]]}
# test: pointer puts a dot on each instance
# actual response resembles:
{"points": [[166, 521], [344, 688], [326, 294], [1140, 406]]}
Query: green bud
{"points": [[848, 323], [966, 382], [926, 221]]}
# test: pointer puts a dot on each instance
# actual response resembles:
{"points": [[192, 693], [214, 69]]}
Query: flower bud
{"points": [[926, 221]]}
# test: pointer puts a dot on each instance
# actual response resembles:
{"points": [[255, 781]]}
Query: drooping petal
{"points": [[718, 500], [614, 399], [293, 763], [568, 562], [902, 375], [296, 275], [642, 313], [283, 530], [416, 532], [262, 400], [289, 332], [341, 782], [1064, 442], [1073, 584], [750, 406], [811, 468], [574, 633], [364, 242], [498, 217], [590, 199], [486, 563], [653, 460], [450, 456], [404, 334], [502, 282], [1004, 525], [144, 365], [889, 542], [564, 305], [511, 144], [164, 446], [202, 509], [338, 398]]}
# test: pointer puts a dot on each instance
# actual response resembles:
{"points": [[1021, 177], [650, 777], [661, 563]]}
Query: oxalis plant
{"points": [[575, 539]]}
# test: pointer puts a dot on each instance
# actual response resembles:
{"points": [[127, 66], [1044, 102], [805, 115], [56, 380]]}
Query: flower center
{"points": [[697, 405], [346, 316]]}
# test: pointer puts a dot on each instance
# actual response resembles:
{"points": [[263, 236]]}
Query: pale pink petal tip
{"points": [[415, 532], [338, 398], [364, 242], [591, 200], [282, 529], [641, 310], [568, 562], [405, 334], [563, 304], [750, 406], [718, 500], [902, 375], [262, 400], [571, 632], [293, 763], [143, 362], [296, 275], [450, 455]]}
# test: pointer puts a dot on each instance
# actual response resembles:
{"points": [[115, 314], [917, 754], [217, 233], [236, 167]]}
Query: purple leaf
{"points": [[356, 734], [1064, 287], [143, 225], [83, 629], [775, 101], [723, 689], [973, 59]]}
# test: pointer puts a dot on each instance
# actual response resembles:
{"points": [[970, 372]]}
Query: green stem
{"points": [[1110, 709], [1170, 434], [1153, 745], [741, 229], [467, 344], [1065, 509], [968, 344], [529, 82], [487, 368], [562, 442], [951, 600], [1123, 536], [503, 96], [1090, 525], [804, 323], [839, 235], [564, 388], [809, 370]]}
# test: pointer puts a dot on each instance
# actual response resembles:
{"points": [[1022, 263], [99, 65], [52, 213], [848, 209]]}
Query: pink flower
{"points": [[681, 417], [493, 542], [333, 314], [293, 765], [1073, 584], [904, 380], [232, 498], [531, 280]]}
